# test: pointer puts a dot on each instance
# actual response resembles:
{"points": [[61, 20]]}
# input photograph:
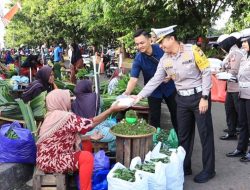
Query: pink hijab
{"points": [[58, 105]]}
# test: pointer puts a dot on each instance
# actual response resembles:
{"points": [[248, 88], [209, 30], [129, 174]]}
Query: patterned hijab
{"points": [[85, 104], [58, 106]]}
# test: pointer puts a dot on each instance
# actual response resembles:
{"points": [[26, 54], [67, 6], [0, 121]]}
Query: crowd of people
{"points": [[25, 58]]}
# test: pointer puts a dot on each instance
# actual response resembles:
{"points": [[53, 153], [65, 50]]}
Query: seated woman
{"points": [[58, 138], [44, 82], [86, 105], [113, 82], [87, 102]]}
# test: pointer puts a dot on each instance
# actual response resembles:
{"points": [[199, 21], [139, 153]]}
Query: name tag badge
{"points": [[187, 59], [187, 62], [168, 64]]}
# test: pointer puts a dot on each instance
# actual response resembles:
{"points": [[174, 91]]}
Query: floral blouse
{"points": [[57, 152]]}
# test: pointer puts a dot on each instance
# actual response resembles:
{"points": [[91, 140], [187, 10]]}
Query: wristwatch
{"points": [[205, 97]]}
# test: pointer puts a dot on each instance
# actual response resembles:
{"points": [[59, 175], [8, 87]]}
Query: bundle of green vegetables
{"points": [[4, 91], [107, 101], [104, 87], [11, 134], [6, 71], [164, 160], [147, 167], [38, 105], [121, 87], [28, 116], [165, 151], [161, 135], [140, 127], [125, 174], [17, 109], [13, 110], [8, 107], [65, 85], [81, 73], [35, 109]]}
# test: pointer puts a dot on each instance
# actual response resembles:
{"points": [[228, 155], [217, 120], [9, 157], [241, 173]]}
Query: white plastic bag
{"points": [[124, 100], [224, 76], [174, 173], [174, 170], [215, 64], [156, 152], [119, 184], [157, 180]]}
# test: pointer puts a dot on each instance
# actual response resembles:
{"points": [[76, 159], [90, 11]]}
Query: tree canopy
{"points": [[109, 21], [240, 17]]}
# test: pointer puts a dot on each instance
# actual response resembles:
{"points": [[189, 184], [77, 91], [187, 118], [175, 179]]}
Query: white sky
{"points": [[220, 23], [1, 24]]}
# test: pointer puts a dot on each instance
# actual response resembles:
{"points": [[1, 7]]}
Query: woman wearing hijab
{"points": [[44, 82], [86, 105], [113, 82], [244, 105], [87, 102], [56, 146], [76, 62], [231, 64]]}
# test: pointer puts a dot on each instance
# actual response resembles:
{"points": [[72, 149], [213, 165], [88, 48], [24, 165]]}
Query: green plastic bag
{"points": [[155, 136], [172, 139]]}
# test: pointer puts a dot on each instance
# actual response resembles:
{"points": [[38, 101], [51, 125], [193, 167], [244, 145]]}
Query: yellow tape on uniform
{"points": [[200, 58]]}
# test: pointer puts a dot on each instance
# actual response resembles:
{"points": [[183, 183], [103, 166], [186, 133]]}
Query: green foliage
{"points": [[108, 21], [214, 53], [240, 18]]}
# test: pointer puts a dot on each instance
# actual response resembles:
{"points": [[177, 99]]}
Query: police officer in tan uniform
{"points": [[244, 102], [190, 70], [231, 65]]}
